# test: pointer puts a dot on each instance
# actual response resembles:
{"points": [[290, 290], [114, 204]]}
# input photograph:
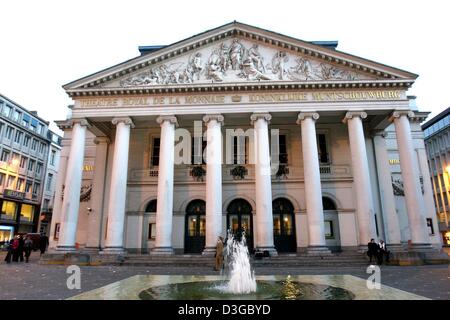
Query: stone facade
{"points": [[338, 119]]}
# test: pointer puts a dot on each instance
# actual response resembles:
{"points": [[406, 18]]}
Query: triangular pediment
{"points": [[235, 54]]}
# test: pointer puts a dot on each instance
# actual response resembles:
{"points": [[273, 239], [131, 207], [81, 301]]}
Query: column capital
{"points": [[398, 113], [255, 116], [171, 118], [125, 120], [303, 115], [208, 117], [98, 140], [354, 114], [68, 124]]}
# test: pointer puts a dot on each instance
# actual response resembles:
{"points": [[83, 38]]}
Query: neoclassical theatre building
{"points": [[301, 146]]}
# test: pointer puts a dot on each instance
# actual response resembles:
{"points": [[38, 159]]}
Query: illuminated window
{"points": [[152, 231], [328, 224], [27, 213], [9, 210]]}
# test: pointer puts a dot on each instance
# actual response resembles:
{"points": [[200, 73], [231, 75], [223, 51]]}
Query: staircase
{"points": [[349, 259]]}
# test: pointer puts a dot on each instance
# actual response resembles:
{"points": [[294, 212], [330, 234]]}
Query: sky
{"points": [[46, 44]]}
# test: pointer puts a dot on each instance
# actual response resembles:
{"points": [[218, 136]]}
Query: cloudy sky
{"points": [[45, 44]]}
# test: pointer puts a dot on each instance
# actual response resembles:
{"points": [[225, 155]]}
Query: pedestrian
{"points": [[15, 249], [28, 246], [219, 254], [9, 251], [372, 249], [383, 252], [43, 243], [20, 248]]}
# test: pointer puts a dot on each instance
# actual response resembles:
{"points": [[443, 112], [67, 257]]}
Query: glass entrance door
{"points": [[284, 226], [195, 227], [240, 220]]}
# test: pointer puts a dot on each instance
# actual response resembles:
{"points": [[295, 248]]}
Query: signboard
{"points": [[7, 193]]}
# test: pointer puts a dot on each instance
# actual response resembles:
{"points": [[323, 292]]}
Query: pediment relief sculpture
{"points": [[239, 60]]}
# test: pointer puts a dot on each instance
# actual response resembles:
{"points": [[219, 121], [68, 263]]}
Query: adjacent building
{"points": [[24, 153], [437, 142], [301, 146]]}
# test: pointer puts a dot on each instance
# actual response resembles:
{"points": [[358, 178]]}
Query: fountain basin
{"points": [[266, 290], [131, 288]]}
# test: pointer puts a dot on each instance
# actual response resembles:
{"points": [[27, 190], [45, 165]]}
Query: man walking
{"points": [[219, 254]]}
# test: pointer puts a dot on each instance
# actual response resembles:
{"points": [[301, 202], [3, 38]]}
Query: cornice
{"points": [[244, 86]]}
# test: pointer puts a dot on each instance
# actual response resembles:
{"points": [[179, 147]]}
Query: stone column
{"points": [[428, 193], [213, 181], [313, 187], [74, 173], [97, 194], [263, 183], [164, 210], [392, 228], [361, 178], [411, 180], [58, 198], [118, 187]]}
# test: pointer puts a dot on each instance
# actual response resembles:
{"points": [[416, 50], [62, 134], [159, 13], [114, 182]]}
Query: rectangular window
{"points": [[41, 147], [1, 128], [39, 168], [196, 152], [155, 152], [9, 132], [46, 204], [31, 165], [329, 234], [18, 136], [7, 111], [322, 148], [430, 226], [9, 210], [16, 115], [40, 129], [36, 188], [26, 120], [283, 156], [34, 145], [240, 149], [28, 186], [27, 213], [11, 182], [2, 179], [23, 162], [20, 184], [152, 231], [48, 187], [52, 157], [26, 141], [56, 235], [15, 159], [34, 124], [5, 155]]}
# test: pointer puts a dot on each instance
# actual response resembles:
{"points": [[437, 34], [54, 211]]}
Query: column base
{"points": [[272, 251], [66, 249], [318, 251], [162, 251], [113, 250], [209, 251]]}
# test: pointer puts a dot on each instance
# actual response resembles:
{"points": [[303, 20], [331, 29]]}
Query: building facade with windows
{"points": [[24, 147], [48, 192], [300, 146], [437, 142]]}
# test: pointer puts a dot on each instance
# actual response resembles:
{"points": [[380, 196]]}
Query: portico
{"points": [[288, 152]]}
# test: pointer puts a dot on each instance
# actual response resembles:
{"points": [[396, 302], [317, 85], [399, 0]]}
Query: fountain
{"points": [[239, 282], [237, 263]]}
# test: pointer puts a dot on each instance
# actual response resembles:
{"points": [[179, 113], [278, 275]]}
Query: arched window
{"points": [[151, 206], [328, 204]]}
